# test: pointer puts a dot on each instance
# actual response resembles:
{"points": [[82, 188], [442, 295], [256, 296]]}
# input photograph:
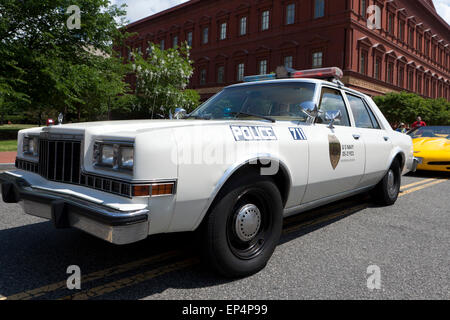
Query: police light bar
{"points": [[325, 73], [262, 77], [282, 72]]}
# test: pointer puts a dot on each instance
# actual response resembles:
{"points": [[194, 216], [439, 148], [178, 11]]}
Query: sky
{"points": [[138, 9]]}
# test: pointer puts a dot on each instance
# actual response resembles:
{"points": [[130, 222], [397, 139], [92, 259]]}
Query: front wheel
{"points": [[387, 191], [244, 227]]}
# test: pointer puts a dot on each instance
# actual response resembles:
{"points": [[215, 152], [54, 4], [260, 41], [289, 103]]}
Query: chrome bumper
{"points": [[118, 227]]}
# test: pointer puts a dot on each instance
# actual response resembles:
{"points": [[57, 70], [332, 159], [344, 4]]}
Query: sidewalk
{"points": [[7, 160]]}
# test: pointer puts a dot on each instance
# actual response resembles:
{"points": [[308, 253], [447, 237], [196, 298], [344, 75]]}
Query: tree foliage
{"points": [[406, 107], [47, 67], [162, 77]]}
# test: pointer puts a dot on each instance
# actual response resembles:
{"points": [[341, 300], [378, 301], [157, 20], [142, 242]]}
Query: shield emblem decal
{"points": [[335, 150]]}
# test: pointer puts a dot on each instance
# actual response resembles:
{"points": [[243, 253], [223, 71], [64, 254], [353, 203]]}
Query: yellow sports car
{"points": [[432, 148]]}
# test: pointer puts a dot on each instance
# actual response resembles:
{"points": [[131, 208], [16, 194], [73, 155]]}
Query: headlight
{"points": [[107, 155], [126, 159], [31, 146], [113, 155]]}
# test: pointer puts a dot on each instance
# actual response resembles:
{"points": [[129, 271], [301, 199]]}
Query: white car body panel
{"points": [[163, 148]]}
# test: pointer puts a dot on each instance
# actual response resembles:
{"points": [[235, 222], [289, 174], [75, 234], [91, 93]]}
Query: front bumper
{"points": [[115, 226]]}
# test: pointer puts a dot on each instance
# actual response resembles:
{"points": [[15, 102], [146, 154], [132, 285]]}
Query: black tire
{"points": [[387, 191], [229, 248]]}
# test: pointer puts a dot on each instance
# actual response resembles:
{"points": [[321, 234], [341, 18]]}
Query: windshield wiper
{"points": [[237, 114]]}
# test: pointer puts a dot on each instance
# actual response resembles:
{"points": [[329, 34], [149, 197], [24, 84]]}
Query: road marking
{"points": [[422, 187], [141, 277], [34, 293], [132, 280], [416, 183]]}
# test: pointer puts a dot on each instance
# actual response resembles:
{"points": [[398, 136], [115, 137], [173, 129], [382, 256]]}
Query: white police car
{"points": [[232, 170]]}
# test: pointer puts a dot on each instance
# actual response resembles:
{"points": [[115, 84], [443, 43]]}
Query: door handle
{"points": [[356, 136]]}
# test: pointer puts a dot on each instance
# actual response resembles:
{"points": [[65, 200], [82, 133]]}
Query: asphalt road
{"points": [[323, 254]]}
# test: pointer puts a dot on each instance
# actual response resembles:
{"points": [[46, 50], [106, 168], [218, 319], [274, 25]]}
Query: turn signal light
{"points": [[162, 189], [141, 191]]}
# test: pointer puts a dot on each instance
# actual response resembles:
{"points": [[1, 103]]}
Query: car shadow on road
{"points": [[36, 255]]}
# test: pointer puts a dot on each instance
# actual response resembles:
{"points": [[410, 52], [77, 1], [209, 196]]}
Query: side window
{"points": [[375, 123], [332, 100], [364, 118]]}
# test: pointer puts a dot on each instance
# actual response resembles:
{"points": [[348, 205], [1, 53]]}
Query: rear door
{"points": [[337, 155], [377, 142]]}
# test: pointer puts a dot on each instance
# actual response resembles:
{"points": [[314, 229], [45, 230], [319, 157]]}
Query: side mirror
{"points": [[311, 110], [180, 113], [333, 116]]}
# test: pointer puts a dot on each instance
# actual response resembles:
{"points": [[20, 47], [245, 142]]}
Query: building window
{"points": [[263, 67], [223, 31], [401, 77], [427, 48], [317, 59], [411, 80], [377, 69], [427, 87], [203, 76], [162, 44], [363, 63], [390, 23], [419, 85], [265, 20], [240, 72], [401, 30], [175, 42], [419, 42], [189, 38], [319, 8], [243, 26], [205, 36], [288, 62], [390, 73], [290, 13], [364, 8], [411, 37], [220, 74]]}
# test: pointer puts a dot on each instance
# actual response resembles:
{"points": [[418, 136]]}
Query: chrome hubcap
{"points": [[391, 183], [248, 222]]}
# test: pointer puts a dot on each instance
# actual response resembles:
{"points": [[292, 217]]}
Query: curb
{"points": [[7, 166]]}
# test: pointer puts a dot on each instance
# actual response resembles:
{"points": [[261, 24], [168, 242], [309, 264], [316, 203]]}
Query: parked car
{"points": [[432, 147], [232, 170]]}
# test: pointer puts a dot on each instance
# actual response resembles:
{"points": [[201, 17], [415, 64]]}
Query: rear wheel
{"points": [[387, 191], [244, 227]]}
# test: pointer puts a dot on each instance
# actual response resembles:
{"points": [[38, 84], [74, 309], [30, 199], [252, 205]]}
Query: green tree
{"points": [[161, 80], [54, 65], [405, 107]]}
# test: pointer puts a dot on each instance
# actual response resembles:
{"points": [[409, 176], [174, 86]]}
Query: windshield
{"points": [[431, 132], [279, 101]]}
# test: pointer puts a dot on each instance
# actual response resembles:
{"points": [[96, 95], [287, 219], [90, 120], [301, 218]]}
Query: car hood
{"points": [[131, 128], [431, 145]]}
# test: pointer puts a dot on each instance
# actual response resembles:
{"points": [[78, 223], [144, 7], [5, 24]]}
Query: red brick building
{"points": [[234, 38]]}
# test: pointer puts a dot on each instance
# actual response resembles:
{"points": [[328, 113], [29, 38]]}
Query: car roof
{"points": [[309, 80]]}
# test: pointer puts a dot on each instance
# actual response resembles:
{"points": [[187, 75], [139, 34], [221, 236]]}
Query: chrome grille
{"points": [[60, 160]]}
